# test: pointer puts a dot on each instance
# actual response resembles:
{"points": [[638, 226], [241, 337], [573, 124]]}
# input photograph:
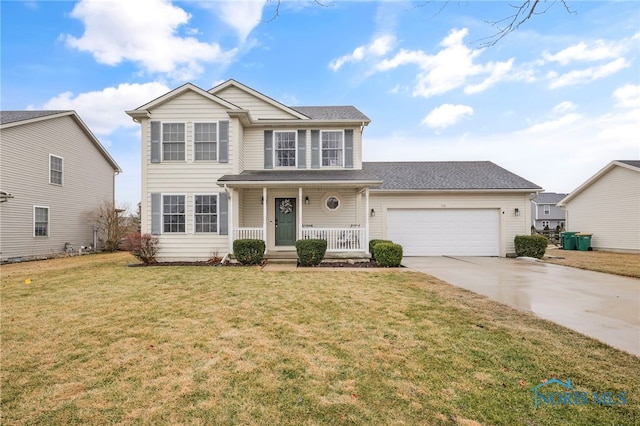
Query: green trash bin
{"points": [[568, 240], [583, 241]]}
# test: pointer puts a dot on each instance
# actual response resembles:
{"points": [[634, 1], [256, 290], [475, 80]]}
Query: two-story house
{"points": [[53, 173], [545, 212], [231, 163]]}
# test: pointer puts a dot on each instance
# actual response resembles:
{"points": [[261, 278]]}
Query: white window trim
{"points": [[61, 158], [321, 149], [33, 228], [326, 197], [186, 213], [217, 195], [193, 142], [295, 150], [186, 139]]}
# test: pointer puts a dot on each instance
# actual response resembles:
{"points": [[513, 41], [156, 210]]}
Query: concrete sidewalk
{"points": [[603, 306]]}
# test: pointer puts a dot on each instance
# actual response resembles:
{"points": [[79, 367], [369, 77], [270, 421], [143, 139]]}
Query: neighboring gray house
{"points": [[544, 211], [608, 206], [53, 172], [231, 163]]}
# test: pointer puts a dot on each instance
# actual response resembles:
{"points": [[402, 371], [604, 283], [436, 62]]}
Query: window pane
{"points": [[332, 148], [55, 166], [173, 217], [285, 149], [173, 141], [206, 218], [205, 137], [41, 222]]}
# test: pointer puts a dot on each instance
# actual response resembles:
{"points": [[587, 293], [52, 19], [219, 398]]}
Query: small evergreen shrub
{"points": [[531, 245], [249, 252], [388, 255], [143, 246], [311, 252], [373, 243]]}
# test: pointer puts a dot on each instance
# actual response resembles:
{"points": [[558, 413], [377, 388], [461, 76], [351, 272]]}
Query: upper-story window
{"points": [[173, 141], [205, 141], [547, 209], [55, 170], [332, 148], [285, 149]]}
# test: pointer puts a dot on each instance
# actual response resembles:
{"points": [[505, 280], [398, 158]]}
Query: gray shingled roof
{"points": [[548, 198], [299, 176], [634, 163], [14, 116], [445, 175], [331, 113]]}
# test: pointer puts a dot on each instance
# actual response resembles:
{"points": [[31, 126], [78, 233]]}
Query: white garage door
{"points": [[448, 232]]}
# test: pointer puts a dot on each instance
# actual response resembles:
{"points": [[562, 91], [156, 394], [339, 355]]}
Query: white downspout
{"points": [[264, 215]]}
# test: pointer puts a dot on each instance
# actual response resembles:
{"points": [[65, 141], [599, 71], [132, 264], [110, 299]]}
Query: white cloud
{"points": [[380, 46], [563, 107], [103, 111], [144, 32], [241, 15], [587, 75], [446, 115], [452, 67], [628, 96], [599, 50], [554, 124]]}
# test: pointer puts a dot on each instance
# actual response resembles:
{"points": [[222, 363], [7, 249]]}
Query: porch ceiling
{"points": [[301, 178]]}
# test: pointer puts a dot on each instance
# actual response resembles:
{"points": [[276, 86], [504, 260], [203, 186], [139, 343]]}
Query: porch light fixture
{"points": [[516, 211], [262, 200], [306, 200], [373, 212]]}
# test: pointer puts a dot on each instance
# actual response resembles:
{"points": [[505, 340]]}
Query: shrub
{"points": [[388, 254], [530, 245], [373, 243], [249, 252], [311, 252], [143, 246]]}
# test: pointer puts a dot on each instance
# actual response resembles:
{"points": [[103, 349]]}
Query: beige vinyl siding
{"points": [[510, 225], [88, 179], [610, 209], [260, 110], [253, 145], [187, 177]]}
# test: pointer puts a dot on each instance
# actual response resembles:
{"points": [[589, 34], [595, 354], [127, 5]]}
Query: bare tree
{"points": [[111, 222], [523, 11]]}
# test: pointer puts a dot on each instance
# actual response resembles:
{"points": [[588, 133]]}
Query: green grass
{"points": [[92, 341]]}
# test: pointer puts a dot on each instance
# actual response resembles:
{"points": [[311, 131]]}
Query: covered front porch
{"points": [[282, 212]]}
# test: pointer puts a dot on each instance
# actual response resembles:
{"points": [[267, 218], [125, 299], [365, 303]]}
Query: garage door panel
{"points": [[449, 232]]}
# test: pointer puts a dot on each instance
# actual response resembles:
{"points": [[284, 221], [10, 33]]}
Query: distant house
{"points": [[608, 205], [53, 171], [545, 213], [232, 163]]}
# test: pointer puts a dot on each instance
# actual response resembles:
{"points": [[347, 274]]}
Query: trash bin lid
{"points": [[583, 234]]}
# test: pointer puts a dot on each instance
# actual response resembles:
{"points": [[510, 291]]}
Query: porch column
{"points": [[230, 211], [300, 203], [366, 219], [264, 214]]}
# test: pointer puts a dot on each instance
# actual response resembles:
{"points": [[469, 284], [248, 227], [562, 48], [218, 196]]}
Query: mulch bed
{"points": [[370, 264]]}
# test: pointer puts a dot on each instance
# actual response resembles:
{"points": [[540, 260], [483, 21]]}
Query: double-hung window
{"points": [[285, 149], [41, 221], [206, 213], [173, 213], [55, 170], [173, 141], [205, 141], [332, 148], [547, 209]]}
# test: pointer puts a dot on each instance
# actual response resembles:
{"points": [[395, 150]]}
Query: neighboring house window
{"points": [[547, 209], [205, 141], [173, 213], [55, 170], [285, 149], [545, 223], [206, 215], [41, 221], [332, 148], [173, 141]]}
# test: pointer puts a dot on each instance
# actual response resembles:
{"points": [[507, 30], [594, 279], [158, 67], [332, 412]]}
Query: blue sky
{"points": [[554, 101]]}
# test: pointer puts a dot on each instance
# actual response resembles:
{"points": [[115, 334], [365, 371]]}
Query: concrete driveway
{"points": [[602, 306]]}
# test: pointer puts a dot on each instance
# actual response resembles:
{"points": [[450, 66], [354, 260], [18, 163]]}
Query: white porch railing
{"points": [[338, 239], [248, 234]]}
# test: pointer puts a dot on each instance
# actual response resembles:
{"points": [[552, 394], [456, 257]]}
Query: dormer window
{"points": [[285, 148], [332, 148]]}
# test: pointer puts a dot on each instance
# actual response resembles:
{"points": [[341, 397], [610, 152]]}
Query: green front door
{"points": [[285, 221]]}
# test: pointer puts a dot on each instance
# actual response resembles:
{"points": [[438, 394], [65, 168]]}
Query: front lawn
{"points": [[625, 264], [88, 340]]}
